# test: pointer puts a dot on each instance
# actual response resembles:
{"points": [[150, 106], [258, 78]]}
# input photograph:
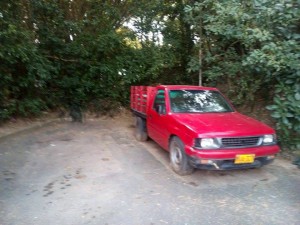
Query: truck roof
{"points": [[186, 87]]}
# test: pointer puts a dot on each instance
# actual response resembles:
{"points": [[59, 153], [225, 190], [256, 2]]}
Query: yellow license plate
{"points": [[245, 158]]}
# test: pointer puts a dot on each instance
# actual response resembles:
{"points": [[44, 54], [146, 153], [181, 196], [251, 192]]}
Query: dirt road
{"points": [[96, 173]]}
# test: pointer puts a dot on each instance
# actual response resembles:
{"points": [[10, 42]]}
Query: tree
{"points": [[24, 71], [87, 53], [254, 47]]}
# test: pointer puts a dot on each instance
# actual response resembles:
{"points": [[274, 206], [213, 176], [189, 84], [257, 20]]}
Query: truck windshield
{"points": [[198, 101]]}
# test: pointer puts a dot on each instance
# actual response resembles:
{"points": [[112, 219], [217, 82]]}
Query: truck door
{"points": [[157, 120]]}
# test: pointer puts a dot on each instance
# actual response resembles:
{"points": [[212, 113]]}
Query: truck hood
{"points": [[222, 124]]}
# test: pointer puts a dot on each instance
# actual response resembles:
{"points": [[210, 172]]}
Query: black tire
{"points": [[179, 160], [140, 130]]}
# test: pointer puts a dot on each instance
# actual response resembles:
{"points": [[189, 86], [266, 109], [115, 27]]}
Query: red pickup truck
{"points": [[200, 128]]}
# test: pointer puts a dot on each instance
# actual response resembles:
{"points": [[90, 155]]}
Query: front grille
{"points": [[240, 142]]}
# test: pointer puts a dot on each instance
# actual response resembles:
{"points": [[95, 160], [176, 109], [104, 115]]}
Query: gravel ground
{"points": [[97, 173]]}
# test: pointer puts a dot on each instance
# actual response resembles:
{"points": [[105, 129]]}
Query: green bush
{"points": [[31, 107], [286, 112]]}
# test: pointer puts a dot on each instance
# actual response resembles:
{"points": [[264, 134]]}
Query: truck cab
{"points": [[200, 128]]}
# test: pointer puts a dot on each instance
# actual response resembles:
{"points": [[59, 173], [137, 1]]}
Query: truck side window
{"points": [[159, 102]]}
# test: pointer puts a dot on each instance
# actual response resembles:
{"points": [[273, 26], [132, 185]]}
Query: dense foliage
{"points": [[254, 47], [87, 53]]}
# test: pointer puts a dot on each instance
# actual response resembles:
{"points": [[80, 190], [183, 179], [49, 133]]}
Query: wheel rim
{"points": [[176, 155]]}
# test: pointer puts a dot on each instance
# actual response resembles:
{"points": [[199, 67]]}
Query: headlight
{"points": [[207, 143], [269, 139]]}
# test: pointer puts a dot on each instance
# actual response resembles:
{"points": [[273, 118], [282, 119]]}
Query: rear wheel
{"points": [[179, 160], [140, 130]]}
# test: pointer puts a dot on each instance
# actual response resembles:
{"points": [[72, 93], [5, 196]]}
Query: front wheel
{"points": [[179, 160]]}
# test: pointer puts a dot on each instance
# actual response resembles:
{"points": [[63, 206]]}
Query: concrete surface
{"points": [[96, 173]]}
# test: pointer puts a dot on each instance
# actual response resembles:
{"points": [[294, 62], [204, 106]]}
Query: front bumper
{"points": [[223, 159], [229, 164]]}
